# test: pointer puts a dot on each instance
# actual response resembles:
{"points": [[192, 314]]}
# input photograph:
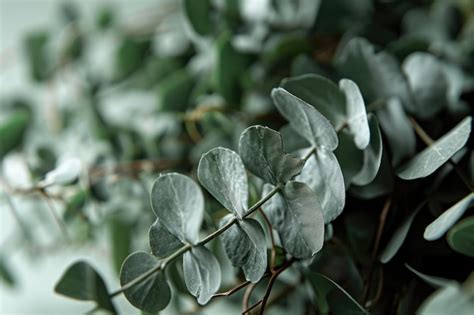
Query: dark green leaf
{"points": [[12, 131], [174, 91], [150, 295], [350, 158], [262, 152], [162, 242], [431, 158], [179, 204], [246, 247], [6, 274], [198, 14], [120, 239], [451, 299], [223, 174], [202, 273], [82, 282], [461, 237]]}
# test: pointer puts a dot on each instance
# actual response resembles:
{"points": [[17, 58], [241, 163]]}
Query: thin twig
{"points": [[55, 215], [233, 290], [246, 299], [272, 239], [254, 305], [383, 217]]}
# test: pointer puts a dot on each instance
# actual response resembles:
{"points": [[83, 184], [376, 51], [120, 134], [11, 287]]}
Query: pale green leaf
{"points": [[397, 130], [450, 299], [447, 219], [372, 155], [150, 295], [435, 155], [321, 93], [436, 282], [323, 175], [202, 273], [296, 215], [305, 119], [246, 247], [82, 282], [428, 83], [461, 237], [262, 152], [223, 174], [162, 242], [179, 204], [398, 237], [356, 120], [65, 173]]}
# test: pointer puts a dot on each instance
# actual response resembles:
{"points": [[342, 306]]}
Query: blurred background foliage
{"points": [[131, 93]]}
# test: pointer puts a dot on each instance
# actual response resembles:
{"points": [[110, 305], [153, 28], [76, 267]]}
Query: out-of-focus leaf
{"points": [[162, 242], [246, 247], [120, 239], [6, 275], [450, 299], [461, 237], [296, 215], [130, 56], [65, 173], [152, 294], [36, 49], [323, 175], [431, 158], [82, 282], [202, 273], [179, 204], [372, 155], [222, 172], [350, 158], [12, 131], [436, 282], [447, 219], [174, 92], [262, 152], [305, 119], [198, 14]]}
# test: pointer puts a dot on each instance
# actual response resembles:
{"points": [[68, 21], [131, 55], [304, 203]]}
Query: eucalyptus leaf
{"points": [[223, 174], [179, 204], [398, 237], [6, 274], [150, 295], [297, 216], [82, 282], [450, 299], [202, 273], [436, 282], [461, 237], [350, 158], [246, 247], [162, 242], [65, 173], [323, 175], [292, 141], [372, 155], [378, 75], [331, 298], [435, 155], [305, 119], [321, 93], [356, 116], [12, 131], [397, 130], [447, 219], [428, 82], [198, 14], [262, 152]]}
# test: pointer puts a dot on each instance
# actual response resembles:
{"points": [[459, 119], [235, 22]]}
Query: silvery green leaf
{"points": [[162, 242], [436, 282], [432, 157], [223, 174], [350, 158], [428, 82], [246, 247], [378, 75], [305, 119], [296, 215], [202, 273], [356, 116], [65, 173], [151, 295], [323, 175], [398, 237], [372, 155], [451, 299], [446, 220], [321, 93], [179, 204], [292, 141], [397, 130], [262, 152], [461, 237]]}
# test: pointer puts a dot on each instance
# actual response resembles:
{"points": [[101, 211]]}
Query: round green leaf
{"points": [[162, 242], [150, 295], [262, 152], [461, 237], [435, 155], [202, 273], [179, 204], [223, 174], [305, 119], [246, 247], [296, 215]]}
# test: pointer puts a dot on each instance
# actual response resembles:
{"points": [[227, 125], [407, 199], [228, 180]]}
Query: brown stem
{"points": [[246, 300], [233, 290], [254, 305]]}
